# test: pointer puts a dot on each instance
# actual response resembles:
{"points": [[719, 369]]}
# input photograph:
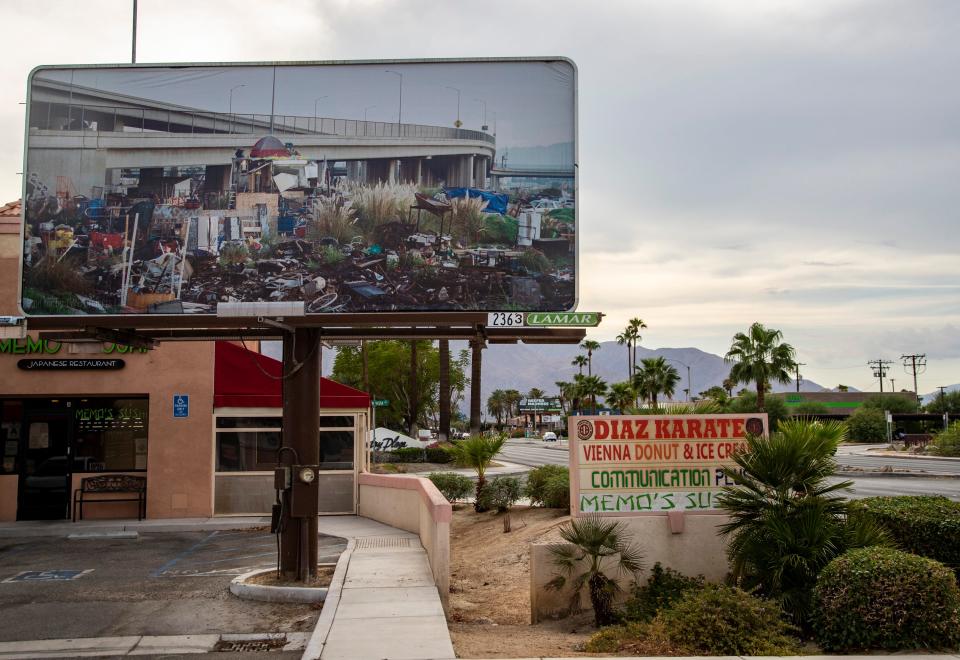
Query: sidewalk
{"points": [[35, 528], [383, 601]]}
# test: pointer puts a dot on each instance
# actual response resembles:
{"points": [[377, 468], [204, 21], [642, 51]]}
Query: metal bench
{"points": [[111, 483]]}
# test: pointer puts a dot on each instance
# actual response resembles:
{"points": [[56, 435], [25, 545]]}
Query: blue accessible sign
{"points": [[181, 405]]}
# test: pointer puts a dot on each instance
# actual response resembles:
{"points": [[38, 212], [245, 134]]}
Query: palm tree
{"points": [[513, 398], [759, 357], [535, 393], [477, 452], [631, 336], [496, 405], [444, 386], [621, 396], [635, 325], [580, 361], [656, 377], [787, 520], [591, 386], [590, 346], [594, 541], [728, 385], [624, 339]]}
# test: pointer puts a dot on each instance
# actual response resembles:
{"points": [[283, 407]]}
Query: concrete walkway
{"points": [[383, 602]]}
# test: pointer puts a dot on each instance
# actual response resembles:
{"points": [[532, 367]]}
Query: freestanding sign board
{"points": [[642, 464], [183, 189]]}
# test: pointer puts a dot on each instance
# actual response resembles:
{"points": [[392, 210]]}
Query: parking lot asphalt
{"points": [[156, 584]]}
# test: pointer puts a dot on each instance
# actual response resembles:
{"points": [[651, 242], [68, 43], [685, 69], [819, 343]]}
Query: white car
{"points": [[549, 436]]}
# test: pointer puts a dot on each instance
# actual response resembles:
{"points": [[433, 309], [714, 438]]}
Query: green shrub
{"points": [[455, 487], [537, 482], [947, 442], [926, 525], [518, 433], [665, 587], [438, 455], [895, 403], [722, 620], [406, 455], [500, 493], [633, 639], [556, 492], [808, 408], [867, 425], [879, 598], [774, 406]]}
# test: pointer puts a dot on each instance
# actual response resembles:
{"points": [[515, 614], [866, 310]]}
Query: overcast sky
{"points": [[795, 163]]}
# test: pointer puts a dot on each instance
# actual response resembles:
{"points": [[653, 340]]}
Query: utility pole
{"points": [[893, 387], [133, 52], [879, 370], [797, 367], [917, 364]]}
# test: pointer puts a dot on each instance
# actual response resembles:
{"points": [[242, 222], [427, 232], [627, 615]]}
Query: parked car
{"points": [[550, 436]]}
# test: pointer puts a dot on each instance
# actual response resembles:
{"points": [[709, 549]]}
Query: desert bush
{"points": [[722, 620], [537, 481], [382, 203], [438, 455], [925, 525], [57, 277], [330, 255], [455, 487], [406, 455], [535, 261], [556, 492], [500, 493], [880, 598], [633, 639], [232, 254], [893, 403], [500, 229], [867, 425], [518, 433], [947, 442], [664, 587]]}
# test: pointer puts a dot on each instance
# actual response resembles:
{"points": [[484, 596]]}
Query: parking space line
{"points": [[220, 561], [269, 544], [185, 553]]}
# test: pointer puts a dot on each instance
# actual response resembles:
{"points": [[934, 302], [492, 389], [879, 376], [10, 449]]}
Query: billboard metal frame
{"points": [[411, 325]]}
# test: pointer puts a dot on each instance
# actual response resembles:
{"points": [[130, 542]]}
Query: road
{"points": [[535, 453]]}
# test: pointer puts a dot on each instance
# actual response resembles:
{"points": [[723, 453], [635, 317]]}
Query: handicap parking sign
{"points": [[181, 405]]}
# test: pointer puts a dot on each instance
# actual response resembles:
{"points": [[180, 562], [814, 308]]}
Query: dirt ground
{"points": [[490, 588]]}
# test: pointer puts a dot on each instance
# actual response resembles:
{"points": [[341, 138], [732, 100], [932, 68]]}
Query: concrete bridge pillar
{"points": [[419, 180], [393, 170], [471, 171]]}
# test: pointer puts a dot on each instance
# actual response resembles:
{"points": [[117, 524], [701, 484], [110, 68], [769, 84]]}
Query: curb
{"points": [[897, 454], [271, 594], [901, 475], [137, 645], [64, 530], [318, 638]]}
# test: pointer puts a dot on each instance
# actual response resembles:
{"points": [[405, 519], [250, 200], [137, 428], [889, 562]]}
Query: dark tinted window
{"points": [[239, 451], [336, 450], [338, 421], [249, 422]]}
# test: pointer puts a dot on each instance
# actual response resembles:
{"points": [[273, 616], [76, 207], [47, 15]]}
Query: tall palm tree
{"points": [[592, 386], [477, 452], [787, 519], [513, 398], [631, 337], [759, 356], [496, 405], [535, 393], [728, 385], [593, 542], [590, 346], [624, 339], [444, 386], [620, 396], [580, 361], [635, 325], [655, 377]]}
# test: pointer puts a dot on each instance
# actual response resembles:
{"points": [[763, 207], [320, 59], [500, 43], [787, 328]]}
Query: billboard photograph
{"points": [[344, 187]]}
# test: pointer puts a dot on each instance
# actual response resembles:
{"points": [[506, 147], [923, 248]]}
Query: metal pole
{"points": [[273, 98], [133, 51], [301, 418]]}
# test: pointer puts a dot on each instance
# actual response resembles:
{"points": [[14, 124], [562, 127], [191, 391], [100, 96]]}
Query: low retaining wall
{"points": [[688, 543], [413, 504]]}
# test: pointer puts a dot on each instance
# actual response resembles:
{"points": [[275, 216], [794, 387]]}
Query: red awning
{"points": [[239, 383]]}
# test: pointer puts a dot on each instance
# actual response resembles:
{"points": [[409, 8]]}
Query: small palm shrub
{"points": [[722, 620], [455, 487], [500, 493], [537, 481], [879, 598], [926, 525], [477, 452], [594, 545], [786, 520], [664, 588]]}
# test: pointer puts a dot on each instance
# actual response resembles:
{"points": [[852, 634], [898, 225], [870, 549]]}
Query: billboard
{"points": [[315, 187], [622, 465]]}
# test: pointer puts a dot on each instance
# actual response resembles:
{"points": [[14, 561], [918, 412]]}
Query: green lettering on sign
{"points": [[564, 319]]}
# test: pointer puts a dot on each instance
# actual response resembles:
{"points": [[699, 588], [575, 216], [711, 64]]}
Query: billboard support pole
{"points": [[133, 51], [301, 419]]}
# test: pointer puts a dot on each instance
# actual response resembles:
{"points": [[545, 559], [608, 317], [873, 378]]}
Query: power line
{"points": [[879, 368], [917, 364]]}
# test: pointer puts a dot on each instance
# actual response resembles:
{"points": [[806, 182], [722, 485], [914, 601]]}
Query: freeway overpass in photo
{"points": [[85, 132]]}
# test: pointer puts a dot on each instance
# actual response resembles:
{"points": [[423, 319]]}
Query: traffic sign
{"points": [[380, 403]]}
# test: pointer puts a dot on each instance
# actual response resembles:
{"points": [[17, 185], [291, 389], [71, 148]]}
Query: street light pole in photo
{"points": [[400, 105], [457, 124], [315, 102], [369, 107], [483, 126], [230, 105], [689, 385]]}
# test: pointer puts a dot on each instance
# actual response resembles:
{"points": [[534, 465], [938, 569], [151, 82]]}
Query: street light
{"points": [[400, 107], [230, 111], [315, 102], [689, 385], [369, 107], [458, 104], [483, 127]]}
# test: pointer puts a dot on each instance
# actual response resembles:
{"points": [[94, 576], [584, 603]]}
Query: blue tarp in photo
{"points": [[496, 203]]}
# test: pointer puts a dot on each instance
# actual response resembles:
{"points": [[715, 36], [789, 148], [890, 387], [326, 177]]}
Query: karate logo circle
{"points": [[755, 426], [584, 429]]}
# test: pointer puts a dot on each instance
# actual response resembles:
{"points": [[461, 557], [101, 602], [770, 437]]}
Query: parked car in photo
{"points": [[549, 436]]}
